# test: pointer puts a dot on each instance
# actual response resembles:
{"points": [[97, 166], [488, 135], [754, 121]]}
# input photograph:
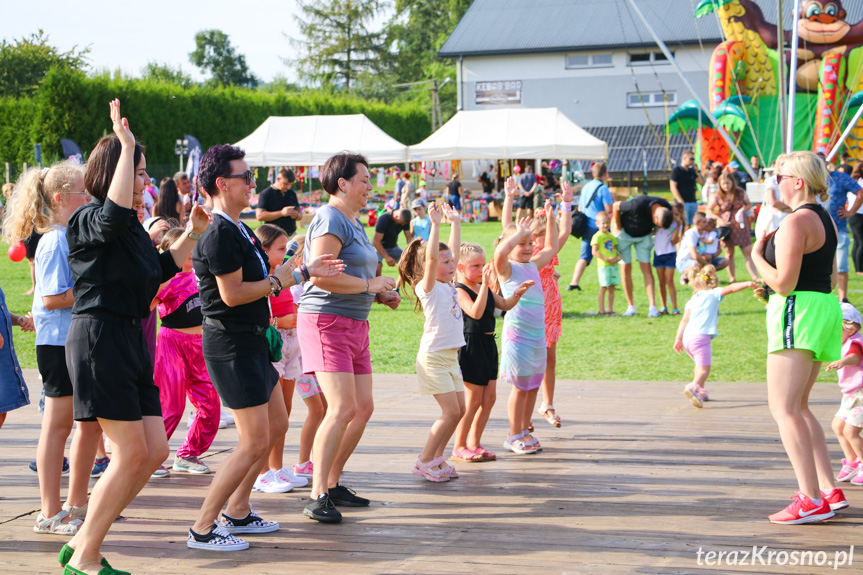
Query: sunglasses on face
{"points": [[248, 177], [780, 177]]}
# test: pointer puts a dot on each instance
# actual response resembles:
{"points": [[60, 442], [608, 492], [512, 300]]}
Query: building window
{"points": [[647, 58], [650, 99], [589, 61]]}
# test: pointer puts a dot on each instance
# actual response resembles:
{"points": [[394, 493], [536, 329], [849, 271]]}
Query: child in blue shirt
{"points": [[698, 326]]}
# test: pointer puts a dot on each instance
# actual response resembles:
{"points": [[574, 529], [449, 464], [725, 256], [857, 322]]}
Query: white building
{"points": [[592, 59]]}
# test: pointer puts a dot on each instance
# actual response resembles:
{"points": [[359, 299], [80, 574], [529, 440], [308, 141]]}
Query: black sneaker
{"points": [[323, 510], [347, 497], [573, 287], [216, 540], [251, 523]]}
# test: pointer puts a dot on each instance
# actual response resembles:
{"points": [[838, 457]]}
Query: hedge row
{"points": [[71, 105]]}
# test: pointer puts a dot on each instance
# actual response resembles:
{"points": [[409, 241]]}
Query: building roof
{"points": [[627, 144], [494, 27]]}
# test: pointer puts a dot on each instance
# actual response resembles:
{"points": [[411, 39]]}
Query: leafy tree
{"points": [[337, 45], [25, 62], [164, 72], [215, 54]]}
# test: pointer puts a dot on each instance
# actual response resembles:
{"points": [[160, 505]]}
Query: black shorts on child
{"points": [[478, 358], [51, 360]]}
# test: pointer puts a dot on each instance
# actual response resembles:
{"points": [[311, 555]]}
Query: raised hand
{"points": [[510, 187], [452, 214], [199, 219], [435, 215], [548, 211], [523, 226], [488, 274], [523, 287], [567, 191], [121, 125]]}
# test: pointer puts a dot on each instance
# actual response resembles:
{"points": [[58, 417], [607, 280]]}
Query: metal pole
{"points": [[740, 157], [780, 35], [792, 78], [844, 135]]}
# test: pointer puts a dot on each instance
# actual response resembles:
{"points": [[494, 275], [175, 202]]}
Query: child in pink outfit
{"points": [[848, 422], [179, 369]]}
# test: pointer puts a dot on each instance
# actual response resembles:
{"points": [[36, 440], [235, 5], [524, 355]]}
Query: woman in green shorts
{"points": [[804, 328]]}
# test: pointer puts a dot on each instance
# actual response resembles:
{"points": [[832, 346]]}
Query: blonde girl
{"points": [[43, 202], [478, 359], [698, 326], [848, 421], [429, 268], [524, 346]]}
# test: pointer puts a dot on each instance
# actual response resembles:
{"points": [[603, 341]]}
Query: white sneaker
{"points": [[269, 483], [653, 312], [286, 475], [226, 418], [630, 311]]}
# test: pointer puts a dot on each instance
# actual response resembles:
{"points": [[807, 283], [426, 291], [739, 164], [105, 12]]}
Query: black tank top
{"points": [[816, 267], [484, 324], [187, 314]]}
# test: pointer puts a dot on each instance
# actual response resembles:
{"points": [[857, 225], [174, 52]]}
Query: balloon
{"points": [[17, 251]]}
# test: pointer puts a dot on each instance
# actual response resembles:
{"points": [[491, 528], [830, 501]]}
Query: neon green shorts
{"points": [[805, 320]]}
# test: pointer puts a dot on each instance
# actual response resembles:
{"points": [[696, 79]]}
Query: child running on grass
{"points": [[848, 421], [604, 247], [478, 359], [698, 326], [274, 476], [429, 268], [665, 258], [524, 345]]}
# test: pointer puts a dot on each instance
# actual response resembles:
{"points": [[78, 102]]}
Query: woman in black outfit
{"points": [[117, 272]]}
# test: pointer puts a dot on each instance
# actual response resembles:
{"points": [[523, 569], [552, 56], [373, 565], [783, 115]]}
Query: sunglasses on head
{"points": [[248, 176]]}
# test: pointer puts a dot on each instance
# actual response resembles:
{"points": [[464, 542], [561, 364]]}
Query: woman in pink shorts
{"points": [[698, 326], [333, 329]]}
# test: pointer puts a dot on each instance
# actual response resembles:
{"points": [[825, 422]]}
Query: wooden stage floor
{"points": [[636, 481]]}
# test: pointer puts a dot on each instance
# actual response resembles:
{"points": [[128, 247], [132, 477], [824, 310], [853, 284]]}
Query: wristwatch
{"points": [[194, 236]]}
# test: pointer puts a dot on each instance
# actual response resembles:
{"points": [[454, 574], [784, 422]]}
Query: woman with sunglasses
{"points": [[234, 281], [804, 328], [116, 272], [43, 202]]}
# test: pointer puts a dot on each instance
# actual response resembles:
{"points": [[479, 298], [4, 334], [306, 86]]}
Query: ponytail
{"points": [[31, 207]]}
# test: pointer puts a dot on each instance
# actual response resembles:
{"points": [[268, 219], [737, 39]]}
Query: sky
{"points": [[158, 30]]}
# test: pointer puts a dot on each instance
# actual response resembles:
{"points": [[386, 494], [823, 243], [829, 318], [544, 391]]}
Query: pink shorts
{"points": [[334, 343], [698, 348]]}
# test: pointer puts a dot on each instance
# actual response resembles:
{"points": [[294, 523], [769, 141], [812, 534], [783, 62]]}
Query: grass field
{"points": [[636, 348]]}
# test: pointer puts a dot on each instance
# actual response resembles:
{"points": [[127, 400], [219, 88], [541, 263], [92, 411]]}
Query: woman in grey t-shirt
{"points": [[334, 330]]}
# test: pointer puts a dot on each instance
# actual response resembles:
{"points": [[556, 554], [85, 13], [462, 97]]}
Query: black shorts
{"points": [[51, 360], [111, 369], [526, 202], [239, 367], [478, 358]]}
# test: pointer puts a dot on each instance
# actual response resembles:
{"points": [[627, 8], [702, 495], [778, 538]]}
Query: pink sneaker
{"points": [[802, 510], [835, 499], [425, 470], [306, 469], [848, 471], [858, 479], [693, 392], [703, 393]]}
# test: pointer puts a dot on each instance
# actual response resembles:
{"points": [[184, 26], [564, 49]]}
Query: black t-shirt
{"points": [[224, 249], [390, 228], [636, 217], [685, 178], [453, 188], [273, 200], [486, 183]]}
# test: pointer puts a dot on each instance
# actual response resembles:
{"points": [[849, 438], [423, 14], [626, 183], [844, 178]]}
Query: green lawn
{"points": [[637, 348]]}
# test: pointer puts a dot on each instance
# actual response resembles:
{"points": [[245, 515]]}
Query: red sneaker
{"points": [[835, 498], [802, 510]]}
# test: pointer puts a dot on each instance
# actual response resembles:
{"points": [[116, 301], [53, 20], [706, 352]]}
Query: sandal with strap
{"points": [[534, 442], [55, 526], [447, 469], [515, 444], [465, 454], [425, 470], [551, 418], [484, 453]]}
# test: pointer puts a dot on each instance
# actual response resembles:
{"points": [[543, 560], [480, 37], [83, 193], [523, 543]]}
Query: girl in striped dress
{"points": [[523, 360]]}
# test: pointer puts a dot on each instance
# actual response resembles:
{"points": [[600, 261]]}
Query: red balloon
{"points": [[17, 251]]}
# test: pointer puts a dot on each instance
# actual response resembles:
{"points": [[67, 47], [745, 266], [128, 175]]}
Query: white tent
{"points": [[311, 140], [509, 133]]}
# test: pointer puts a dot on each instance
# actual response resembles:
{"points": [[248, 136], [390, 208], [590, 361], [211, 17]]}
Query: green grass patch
{"points": [[636, 348]]}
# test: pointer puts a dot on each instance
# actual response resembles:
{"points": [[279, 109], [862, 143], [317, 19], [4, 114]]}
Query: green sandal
{"points": [[66, 554]]}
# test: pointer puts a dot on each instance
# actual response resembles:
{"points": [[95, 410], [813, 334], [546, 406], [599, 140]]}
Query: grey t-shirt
{"points": [[359, 256]]}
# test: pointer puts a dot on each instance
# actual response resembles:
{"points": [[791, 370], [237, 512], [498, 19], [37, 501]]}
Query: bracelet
{"points": [[567, 207], [274, 281], [305, 271], [297, 277], [367, 286], [194, 236]]}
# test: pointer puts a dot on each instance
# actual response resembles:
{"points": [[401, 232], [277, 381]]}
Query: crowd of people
{"points": [[249, 316]]}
